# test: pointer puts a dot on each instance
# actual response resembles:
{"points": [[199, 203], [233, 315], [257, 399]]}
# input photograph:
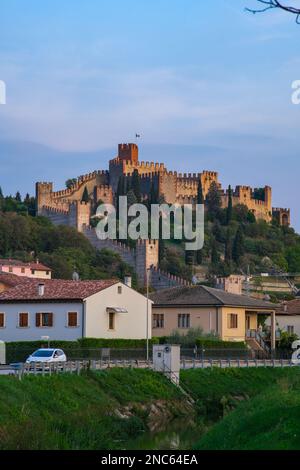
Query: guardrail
{"points": [[76, 367]]}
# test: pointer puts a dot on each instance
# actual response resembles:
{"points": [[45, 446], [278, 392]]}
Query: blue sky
{"points": [[207, 85]]}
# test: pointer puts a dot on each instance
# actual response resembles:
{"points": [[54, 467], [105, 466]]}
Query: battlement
{"points": [[55, 210], [177, 279], [211, 174], [280, 209]]}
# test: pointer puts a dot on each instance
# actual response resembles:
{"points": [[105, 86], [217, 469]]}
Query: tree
{"points": [[200, 198], [189, 257], [238, 248], [71, 182], [213, 200], [18, 197], [215, 258], [199, 257], [135, 185], [229, 206], [275, 4], [153, 197], [85, 195], [228, 247]]}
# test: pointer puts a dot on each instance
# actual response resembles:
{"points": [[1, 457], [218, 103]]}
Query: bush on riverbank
{"points": [[251, 408]]}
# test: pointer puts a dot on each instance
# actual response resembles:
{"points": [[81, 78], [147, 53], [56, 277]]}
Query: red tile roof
{"points": [[11, 280], [55, 290], [32, 265], [292, 307]]}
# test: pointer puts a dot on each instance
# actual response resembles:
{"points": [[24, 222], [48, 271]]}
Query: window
{"points": [[2, 320], [232, 320], [111, 321], [44, 320], [47, 273], [183, 320], [72, 319], [32, 271], [158, 320], [119, 289], [290, 329], [23, 320], [10, 269], [22, 270]]}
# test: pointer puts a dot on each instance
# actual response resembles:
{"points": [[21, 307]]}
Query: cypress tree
{"points": [[18, 197], [213, 200], [199, 257], [200, 198], [161, 246], [85, 195], [214, 254], [228, 247], [189, 257], [229, 206], [238, 248], [135, 185]]}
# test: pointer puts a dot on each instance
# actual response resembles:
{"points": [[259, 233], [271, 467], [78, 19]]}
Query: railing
{"points": [[77, 367], [254, 334]]}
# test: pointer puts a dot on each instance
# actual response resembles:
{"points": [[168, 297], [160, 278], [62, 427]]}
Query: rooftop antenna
{"points": [[75, 275]]}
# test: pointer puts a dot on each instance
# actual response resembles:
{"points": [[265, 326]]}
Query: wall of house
{"points": [[131, 325], [200, 317], [17, 270], [283, 321], [59, 331]]}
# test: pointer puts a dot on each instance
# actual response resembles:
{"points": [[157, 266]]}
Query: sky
{"points": [[206, 84]]}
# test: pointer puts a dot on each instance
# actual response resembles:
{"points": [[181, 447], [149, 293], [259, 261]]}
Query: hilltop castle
{"points": [[66, 206]]}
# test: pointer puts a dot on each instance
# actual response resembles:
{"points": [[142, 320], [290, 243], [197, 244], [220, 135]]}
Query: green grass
{"points": [[253, 408], [76, 412]]}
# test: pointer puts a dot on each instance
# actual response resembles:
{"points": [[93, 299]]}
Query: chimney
{"points": [[41, 289], [285, 307], [128, 281]]}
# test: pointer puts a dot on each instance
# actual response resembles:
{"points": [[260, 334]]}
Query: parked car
{"points": [[48, 355]]}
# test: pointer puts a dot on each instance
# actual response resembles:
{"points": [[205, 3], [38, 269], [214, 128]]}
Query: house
{"points": [[233, 317], [68, 310], [288, 317], [19, 268]]}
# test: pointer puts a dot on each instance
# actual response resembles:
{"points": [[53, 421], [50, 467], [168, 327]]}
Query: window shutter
{"points": [[37, 320], [50, 319]]}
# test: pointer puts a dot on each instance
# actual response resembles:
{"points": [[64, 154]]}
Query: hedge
{"points": [[218, 344], [19, 350]]}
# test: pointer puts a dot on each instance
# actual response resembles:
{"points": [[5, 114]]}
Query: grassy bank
{"points": [[80, 412], [248, 408]]}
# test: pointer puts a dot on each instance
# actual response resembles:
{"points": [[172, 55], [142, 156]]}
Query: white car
{"points": [[48, 355]]}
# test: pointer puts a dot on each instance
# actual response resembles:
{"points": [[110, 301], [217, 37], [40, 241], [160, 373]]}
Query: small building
{"points": [[19, 268], [232, 317], [232, 284], [68, 310]]}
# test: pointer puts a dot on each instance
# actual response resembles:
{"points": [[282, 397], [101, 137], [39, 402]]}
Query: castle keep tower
{"points": [[128, 153]]}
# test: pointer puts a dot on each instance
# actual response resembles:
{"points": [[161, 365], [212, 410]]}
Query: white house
{"points": [[288, 317], [68, 310]]}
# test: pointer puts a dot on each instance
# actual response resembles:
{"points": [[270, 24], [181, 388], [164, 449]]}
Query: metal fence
{"points": [[20, 354]]}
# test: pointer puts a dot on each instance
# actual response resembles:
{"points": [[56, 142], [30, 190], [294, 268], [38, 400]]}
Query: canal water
{"points": [[180, 434]]}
